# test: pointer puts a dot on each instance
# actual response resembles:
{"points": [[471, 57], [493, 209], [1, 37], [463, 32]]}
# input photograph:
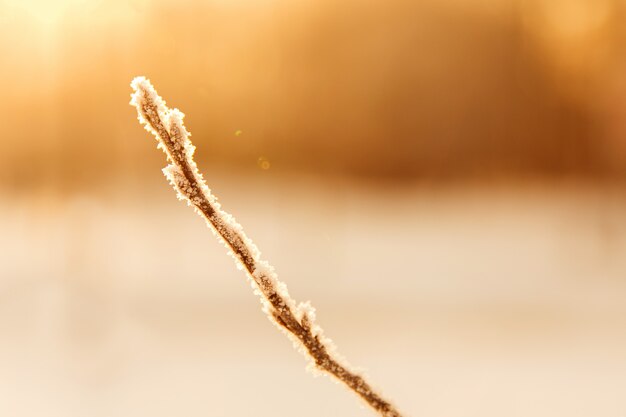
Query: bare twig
{"points": [[297, 321]]}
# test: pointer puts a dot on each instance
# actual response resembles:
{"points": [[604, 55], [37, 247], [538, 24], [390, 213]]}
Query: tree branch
{"points": [[297, 321]]}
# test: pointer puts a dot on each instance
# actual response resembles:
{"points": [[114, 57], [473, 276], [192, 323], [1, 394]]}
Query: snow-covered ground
{"points": [[475, 300]]}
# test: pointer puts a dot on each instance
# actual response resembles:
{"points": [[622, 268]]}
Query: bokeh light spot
{"points": [[263, 163]]}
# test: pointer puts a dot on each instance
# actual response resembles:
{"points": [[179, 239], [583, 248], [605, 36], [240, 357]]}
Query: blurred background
{"points": [[443, 179]]}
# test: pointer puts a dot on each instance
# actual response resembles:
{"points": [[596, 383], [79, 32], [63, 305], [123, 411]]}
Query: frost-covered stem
{"points": [[298, 322]]}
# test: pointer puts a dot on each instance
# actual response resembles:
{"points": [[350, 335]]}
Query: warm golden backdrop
{"points": [[400, 89], [443, 179]]}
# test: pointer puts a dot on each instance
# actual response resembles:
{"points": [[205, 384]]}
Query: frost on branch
{"points": [[297, 321]]}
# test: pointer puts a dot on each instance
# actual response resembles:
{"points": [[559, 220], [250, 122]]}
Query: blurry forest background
{"points": [[444, 179], [400, 90]]}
